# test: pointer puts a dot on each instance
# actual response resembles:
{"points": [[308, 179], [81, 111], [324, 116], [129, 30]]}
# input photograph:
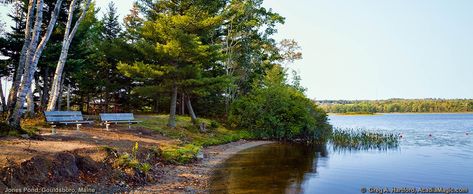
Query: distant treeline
{"points": [[397, 105]]}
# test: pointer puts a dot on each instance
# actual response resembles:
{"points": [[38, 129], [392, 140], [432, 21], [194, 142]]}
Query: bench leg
{"points": [[106, 126], [78, 127], [129, 125], [53, 129]]}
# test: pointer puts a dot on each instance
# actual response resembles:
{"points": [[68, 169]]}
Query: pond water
{"points": [[436, 150]]}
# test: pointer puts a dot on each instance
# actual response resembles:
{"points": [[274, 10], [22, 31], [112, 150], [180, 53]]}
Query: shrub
{"points": [[279, 111], [213, 124]]}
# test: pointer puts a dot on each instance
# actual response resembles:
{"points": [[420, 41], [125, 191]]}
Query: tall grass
{"points": [[358, 139]]}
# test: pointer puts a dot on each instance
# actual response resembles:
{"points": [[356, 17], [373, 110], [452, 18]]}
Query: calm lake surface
{"points": [[444, 159]]}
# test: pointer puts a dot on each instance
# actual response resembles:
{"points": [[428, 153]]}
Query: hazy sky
{"points": [[372, 49]]}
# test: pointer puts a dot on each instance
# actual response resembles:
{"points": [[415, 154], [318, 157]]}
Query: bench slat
{"points": [[77, 122], [63, 116], [117, 117], [123, 122]]}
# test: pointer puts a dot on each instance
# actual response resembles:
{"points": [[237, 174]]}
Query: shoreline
{"points": [[195, 177], [93, 166], [400, 113]]}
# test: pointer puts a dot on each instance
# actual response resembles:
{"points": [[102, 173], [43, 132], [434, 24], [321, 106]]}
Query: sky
{"points": [[372, 49]]}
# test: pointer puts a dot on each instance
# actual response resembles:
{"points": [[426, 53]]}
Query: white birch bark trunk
{"points": [[33, 54], [21, 65], [69, 97], [68, 36], [61, 92], [2, 97], [30, 103]]}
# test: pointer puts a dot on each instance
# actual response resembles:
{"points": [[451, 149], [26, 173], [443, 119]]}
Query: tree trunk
{"points": [[81, 103], [156, 106], [45, 92], [69, 97], [183, 104], [172, 111], [61, 92], [25, 84], [68, 36], [30, 103], [106, 100], [87, 105], [191, 111], [2, 97], [32, 57], [21, 65]]}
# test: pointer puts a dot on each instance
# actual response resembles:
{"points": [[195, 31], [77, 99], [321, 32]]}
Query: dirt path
{"points": [[87, 143], [18, 150], [194, 178]]}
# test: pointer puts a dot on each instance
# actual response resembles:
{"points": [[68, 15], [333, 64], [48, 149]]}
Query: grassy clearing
{"points": [[189, 139], [361, 139]]}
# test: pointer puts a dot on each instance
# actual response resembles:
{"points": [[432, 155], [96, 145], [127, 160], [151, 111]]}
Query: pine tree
{"points": [[133, 23], [175, 35], [110, 21]]}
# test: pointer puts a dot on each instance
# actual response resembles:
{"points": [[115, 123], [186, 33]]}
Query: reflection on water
{"points": [[272, 168], [436, 150]]}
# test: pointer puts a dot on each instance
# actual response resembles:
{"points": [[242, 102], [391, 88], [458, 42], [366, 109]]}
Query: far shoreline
{"points": [[407, 113]]}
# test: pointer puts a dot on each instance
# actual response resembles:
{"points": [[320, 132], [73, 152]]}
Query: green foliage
{"points": [[111, 151], [133, 23], [110, 21], [214, 125], [398, 105], [279, 111], [181, 155], [188, 133], [127, 161], [134, 150], [212, 51], [7, 130], [157, 152], [145, 167]]}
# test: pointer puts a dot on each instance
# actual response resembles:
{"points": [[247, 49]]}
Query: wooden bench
{"points": [[65, 117], [117, 118]]}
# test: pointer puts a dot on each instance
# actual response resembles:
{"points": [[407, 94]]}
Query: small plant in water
{"points": [[362, 139]]}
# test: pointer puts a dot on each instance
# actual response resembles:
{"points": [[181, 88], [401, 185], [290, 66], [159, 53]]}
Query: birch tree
{"points": [[30, 103], [33, 53], [21, 64], [2, 97], [68, 36]]}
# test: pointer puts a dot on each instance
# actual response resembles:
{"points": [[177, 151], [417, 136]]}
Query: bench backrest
{"points": [[117, 117], [63, 116]]}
